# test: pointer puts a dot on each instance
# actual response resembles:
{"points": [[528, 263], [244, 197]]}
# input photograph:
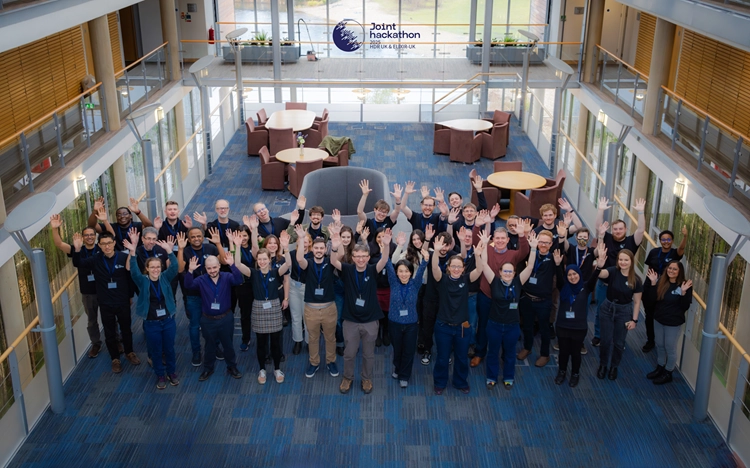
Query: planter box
{"points": [[503, 55], [262, 54]]}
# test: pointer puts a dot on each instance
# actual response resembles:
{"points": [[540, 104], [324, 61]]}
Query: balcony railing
{"points": [[625, 84], [142, 78]]}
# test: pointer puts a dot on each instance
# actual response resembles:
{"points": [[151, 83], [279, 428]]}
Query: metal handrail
{"points": [[470, 80], [132, 65], [35, 321], [734, 342], [46, 116], [627, 65], [703, 113]]}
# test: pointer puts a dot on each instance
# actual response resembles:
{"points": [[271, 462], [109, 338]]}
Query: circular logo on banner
{"points": [[345, 38]]}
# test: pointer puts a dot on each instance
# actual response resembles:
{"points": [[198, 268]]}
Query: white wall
{"points": [[149, 16], [613, 26], [571, 29], [196, 29], [555, 30]]}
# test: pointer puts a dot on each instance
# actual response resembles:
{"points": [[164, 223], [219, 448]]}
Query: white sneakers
{"points": [[279, 376], [262, 377]]}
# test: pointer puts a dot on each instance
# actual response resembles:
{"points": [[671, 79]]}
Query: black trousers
{"points": [[570, 342], [276, 340], [111, 317], [245, 300], [427, 325]]}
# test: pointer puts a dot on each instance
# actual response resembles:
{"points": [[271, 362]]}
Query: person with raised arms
{"points": [[383, 216], [361, 309], [124, 218], [172, 225]]}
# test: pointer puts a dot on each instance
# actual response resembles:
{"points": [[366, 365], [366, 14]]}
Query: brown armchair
{"points": [[297, 174], [280, 139], [500, 117], [296, 106], [340, 159], [315, 136], [317, 120], [442, 140], [465, 146], [494, 144], [262, 117], [271, 171], [257, 137], [493, 194], [529, 206], [558, 181]]}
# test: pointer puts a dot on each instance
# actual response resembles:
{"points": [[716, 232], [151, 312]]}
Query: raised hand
{"points": [[533, 241], [603, 228], [228, 258], [336, 216], [603, 204], [685, 286], [360, 225], [527, 226], [129, 245], [365, 233], [167, 246], [98, 203], [364, 184], [157, 222], [562, 230], [453, 216], [462, 233], [401, 239], [233, 237], [439, 244], [477, 183], [193, 264], [601, 252], [652, 276], [335, 227], [484, 237], [385, 238], [181, 240], [171, 240], [684, 231], [494, 211], [133, 235], [335, 241], [443, 207], [300, 231], [55, 221], [640, 204], [284, 240], [439, 194], [214, 236], [568, 218], [77, 241], [429, 232], [187, 221], [409, 187], [564, 204], [101, 215], [133, 206], [557, 256], [294, 217], [425, 191], [397, 191], [200, 218], [301, 202], [483, 218]]}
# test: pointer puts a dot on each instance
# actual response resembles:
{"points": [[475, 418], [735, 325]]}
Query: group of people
{"points": [[456, 283]]}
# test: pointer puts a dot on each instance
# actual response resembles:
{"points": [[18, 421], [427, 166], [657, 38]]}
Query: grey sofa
{"points": [[338, 187]]}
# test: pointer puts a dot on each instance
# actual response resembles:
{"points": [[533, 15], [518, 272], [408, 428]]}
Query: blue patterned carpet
{"points": [[124, 421]]}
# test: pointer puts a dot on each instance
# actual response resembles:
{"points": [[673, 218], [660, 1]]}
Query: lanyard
{"points": [[273, 228], [114, 263], [404, 293], [222, 236], [215, 287], [264, 281], [356, 278], [425, 221], [175, 230], [247, 256], [147, 252], [579, 262], [319, 273], [85, 252], [512, 290], [119, 230], [537, 263], [156, 290], [666, 255]]}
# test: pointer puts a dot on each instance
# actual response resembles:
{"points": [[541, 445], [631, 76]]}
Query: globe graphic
{"points": [[344, 38]]}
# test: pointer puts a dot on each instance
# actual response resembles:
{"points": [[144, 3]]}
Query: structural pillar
{"points": [[104, 71], [486, 40], [658, 75], [593, 37]]}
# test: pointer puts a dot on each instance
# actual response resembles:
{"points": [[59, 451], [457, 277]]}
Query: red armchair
{"points": [[558, 181], [494, 144], [465, 146], [297, 174], [529, 206], [296, 106], [257, 137], [262, 117], [442, 140], [500, 117], [281, 139], [340, 159], [317, 121], [271, 171], [315, 136]]}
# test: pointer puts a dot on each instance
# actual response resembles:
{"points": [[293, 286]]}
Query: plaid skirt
{"points": [[267, 320]]}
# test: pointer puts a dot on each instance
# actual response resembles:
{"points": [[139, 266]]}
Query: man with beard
{"points": [[124, 218]]}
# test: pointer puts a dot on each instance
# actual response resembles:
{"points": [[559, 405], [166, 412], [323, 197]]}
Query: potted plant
{"points": [[259, 50], [507, 51]]}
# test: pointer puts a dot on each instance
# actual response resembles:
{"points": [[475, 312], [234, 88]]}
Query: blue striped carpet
{"points": [[124, 421]]}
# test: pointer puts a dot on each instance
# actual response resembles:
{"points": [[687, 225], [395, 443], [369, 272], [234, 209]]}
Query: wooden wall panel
{"points": [[114, 39], [39, 77], [716, 78], [646, 30]]}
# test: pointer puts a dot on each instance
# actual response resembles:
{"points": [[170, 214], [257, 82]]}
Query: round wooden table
{"points": [[297, 120], [476, 125], [515, 180], [292, 155]]}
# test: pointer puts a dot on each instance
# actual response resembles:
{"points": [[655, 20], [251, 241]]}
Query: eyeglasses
{"points": [[89, 235], [666, 239], [544, 243], [361, 257], [106, 244], [222, 208], [260, 210], [456, 267], [508, 272], [583, 238]]}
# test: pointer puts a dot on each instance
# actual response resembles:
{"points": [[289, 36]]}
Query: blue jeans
{"points": [[473, 316], [193, 311], [404, 341], [505, 336], [483, 312], [451, 338], [601, 296], [614, 317], [539, 310], [160, 340], [215, 331]]}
